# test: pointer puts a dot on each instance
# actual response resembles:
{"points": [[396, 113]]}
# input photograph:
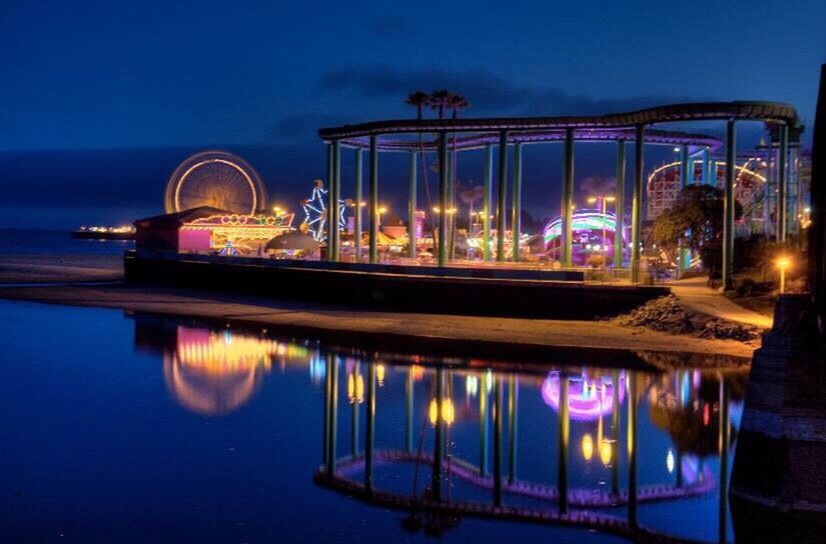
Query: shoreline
{"points": [[69, 280], [507, 338]]}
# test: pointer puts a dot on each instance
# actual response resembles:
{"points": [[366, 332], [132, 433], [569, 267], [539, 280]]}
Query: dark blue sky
{"points": [[93, 75]]}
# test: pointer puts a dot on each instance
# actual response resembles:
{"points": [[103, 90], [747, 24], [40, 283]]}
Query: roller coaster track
{"points": [[344, 482]]}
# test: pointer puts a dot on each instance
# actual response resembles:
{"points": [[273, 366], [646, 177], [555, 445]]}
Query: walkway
{"points": [[695, 294]]}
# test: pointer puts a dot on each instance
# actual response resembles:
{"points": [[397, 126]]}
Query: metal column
{"points": [[334, 210], [615, 424], [483, 423], [724, 439], [728, 206], [632, 449], [438, 446], [620, 204], [564, 439], [443, 199], [567, 198], [782, 184], [332, 366], [704, 174], [636, 204], [370, 434], [513, 418], [374, 200], [357, 220], [354, 414], [330, 196], [409, 393], [497, 441], [516, 217], [488, 175], [685, 166], [411, 223], [501, 208]]}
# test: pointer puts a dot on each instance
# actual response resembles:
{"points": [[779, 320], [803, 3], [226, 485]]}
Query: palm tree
{"points": [[458, 103], [440, 101], [420, 100]]}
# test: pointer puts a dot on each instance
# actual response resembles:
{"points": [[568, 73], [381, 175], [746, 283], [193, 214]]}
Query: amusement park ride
{"points": [[243, 224]]}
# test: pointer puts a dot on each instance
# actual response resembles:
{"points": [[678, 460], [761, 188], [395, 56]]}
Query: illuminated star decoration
{"points": [[315, 212]]}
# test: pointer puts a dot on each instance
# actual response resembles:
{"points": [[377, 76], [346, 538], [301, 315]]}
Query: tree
{"points": [[440, 100], [695, 222], [457, 103], [420, 99]]}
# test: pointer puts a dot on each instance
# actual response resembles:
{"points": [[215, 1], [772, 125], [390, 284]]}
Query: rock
{"points": [[667, 314]]}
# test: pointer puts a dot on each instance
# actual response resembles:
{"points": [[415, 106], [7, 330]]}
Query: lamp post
{"points": [[783, 263]]}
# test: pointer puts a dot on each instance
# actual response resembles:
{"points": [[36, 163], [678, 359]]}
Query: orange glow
{"points": [[355, 388], [448, 411], [605, 452], [587, 446]]}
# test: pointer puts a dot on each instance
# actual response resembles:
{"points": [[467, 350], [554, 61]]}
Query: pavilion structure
{"points": [[449, 137]]}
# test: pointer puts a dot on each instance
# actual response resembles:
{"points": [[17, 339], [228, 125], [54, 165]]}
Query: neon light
{"points": [[586, 401], [315, 213], [186, 174], [582, 220]]}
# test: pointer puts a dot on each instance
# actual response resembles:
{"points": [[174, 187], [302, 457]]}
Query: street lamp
{"points": [[783, 263]]}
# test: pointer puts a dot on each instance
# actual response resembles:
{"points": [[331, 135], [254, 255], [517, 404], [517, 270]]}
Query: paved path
{"points": [[695, 294]]}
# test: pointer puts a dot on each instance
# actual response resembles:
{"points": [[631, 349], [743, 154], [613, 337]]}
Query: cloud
{"points": [[304, 126], [487, 92]]}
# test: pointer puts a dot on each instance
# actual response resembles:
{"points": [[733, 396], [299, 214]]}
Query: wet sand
{"points": [[328, 321], [60, 268]]}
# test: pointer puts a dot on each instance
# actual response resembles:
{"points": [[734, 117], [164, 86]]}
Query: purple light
{"points": [[587, 399]]}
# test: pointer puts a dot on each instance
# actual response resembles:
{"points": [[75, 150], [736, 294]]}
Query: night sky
{"points": [[102, 99]]}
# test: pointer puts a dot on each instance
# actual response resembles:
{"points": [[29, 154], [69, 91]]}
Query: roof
{"points": [[179, 218], [292, 240], [616, 126]]}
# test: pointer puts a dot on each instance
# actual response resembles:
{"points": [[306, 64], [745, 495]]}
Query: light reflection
{"points": [[355, 387], [587, 446], [588, 398], [214, 373], [448, 411]]}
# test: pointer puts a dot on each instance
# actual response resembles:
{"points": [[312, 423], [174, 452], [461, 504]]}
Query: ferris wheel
{"points": [[217, 179]]}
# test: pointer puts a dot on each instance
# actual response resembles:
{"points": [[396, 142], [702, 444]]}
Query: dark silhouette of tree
{"points": [[696, 222], [458, 103], [440, 101], [419, 100]]}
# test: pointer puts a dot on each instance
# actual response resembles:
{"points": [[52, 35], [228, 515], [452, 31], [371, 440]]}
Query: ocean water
{"points": [[41, 241], [138, 428]]}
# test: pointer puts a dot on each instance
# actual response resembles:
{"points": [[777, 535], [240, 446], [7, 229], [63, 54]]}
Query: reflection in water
{"points": [[586, 404], [216, 372], [616, 450], [588, 398]]}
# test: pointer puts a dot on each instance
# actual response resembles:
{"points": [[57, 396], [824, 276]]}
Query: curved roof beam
{"points": [[478, 141], [699, 111]]}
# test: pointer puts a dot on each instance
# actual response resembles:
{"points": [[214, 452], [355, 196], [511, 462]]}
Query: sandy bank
{"points": [[21, 268], [506, 334]]}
